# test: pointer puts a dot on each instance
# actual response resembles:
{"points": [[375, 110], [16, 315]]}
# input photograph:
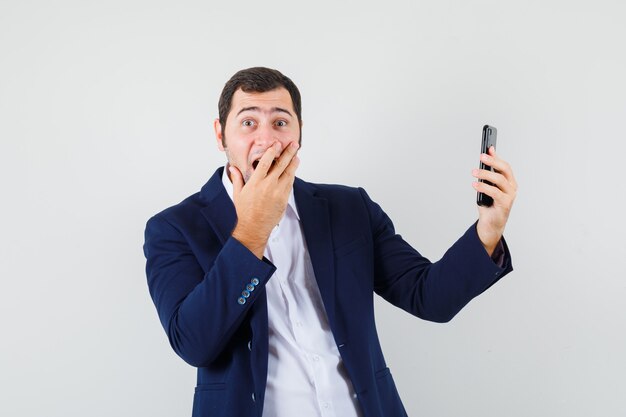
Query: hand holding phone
{"points": [[497, 189]]}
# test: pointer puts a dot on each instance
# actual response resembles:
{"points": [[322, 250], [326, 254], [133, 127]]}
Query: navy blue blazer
{"points": [[197, 272]]}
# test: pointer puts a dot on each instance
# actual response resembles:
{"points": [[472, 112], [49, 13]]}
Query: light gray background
{"points": [[105, 119]]}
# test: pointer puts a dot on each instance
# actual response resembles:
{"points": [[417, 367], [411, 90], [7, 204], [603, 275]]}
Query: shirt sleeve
{"points": [[498, 254]]}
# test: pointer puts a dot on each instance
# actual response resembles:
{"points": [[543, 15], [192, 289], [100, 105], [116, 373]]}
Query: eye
{"points": [[247, 123], [281, 123]]}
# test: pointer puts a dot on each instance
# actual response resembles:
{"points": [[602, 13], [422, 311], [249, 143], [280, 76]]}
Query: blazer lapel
{"points": [[220, 210], [315, 220]]}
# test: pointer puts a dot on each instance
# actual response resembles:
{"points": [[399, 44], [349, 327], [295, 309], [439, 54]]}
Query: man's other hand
{"points": [[492, 220]]}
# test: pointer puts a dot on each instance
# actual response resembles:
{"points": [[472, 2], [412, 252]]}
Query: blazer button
{"points": [[250, 345], [241, 300], [245, 293], [255, 281], [253, 399], [250, 287]]}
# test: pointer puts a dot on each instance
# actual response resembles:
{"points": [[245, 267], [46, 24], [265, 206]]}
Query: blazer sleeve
{"points": [[432, 291], [200, 311]]}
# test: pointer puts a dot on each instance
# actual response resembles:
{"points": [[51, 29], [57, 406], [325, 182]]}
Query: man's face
{"points": [[255, 122]]}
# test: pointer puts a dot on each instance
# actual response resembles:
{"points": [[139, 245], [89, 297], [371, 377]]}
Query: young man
{"points": [[265, 282]]}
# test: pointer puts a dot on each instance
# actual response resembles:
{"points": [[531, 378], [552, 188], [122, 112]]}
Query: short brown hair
{"points": [[257, 80]]}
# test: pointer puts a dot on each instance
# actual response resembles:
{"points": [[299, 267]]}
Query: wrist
{"points": [[488, 238], [253, 241]]}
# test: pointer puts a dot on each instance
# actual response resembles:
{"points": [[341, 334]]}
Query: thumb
{"points": [[237, 179]]}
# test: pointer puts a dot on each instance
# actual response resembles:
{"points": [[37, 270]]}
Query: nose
{"points": [[265, 136]]}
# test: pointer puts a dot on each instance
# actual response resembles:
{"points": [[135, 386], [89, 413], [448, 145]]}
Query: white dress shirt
{"points": [[305, 376]]}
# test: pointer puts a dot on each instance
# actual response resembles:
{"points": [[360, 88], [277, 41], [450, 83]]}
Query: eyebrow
{"points": [[273, 110]]}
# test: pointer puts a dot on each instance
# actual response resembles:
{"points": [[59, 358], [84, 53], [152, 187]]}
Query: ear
{"points": [[217, 126]]}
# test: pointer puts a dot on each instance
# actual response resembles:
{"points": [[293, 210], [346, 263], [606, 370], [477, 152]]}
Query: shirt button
{"points": [[316, 358], [325, 405]]}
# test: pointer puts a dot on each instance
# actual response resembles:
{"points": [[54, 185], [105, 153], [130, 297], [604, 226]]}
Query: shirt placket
{"points": [[302, 338]]}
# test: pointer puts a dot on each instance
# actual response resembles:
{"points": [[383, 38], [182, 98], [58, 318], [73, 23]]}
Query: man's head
{"points": [[258, 106]]}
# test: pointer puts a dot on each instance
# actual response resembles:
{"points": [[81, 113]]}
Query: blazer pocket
{"points": [[345, 249], [382, 373], [388, 394], [211, 387]]}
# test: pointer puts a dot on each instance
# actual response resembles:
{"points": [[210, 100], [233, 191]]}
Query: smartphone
{"points": [[490, 135]]}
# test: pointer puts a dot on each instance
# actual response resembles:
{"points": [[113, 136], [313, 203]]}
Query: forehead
{"points": [[265, 101]]}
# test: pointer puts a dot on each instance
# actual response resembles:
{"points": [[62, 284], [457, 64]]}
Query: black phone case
{"points": [[490, 136]]}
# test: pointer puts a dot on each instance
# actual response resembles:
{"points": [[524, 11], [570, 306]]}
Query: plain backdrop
{"points": [[106, 111]]}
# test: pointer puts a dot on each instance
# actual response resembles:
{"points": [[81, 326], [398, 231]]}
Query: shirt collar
{"points": [[229, 189]]}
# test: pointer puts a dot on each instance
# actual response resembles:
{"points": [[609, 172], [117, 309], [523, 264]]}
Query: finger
{"points": [[289, 173], [499, 165], [265, 163], [490, 190], [492, 159], [237, 180], [496, 178], [285, 159], [494, 192], [288, 177]]}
